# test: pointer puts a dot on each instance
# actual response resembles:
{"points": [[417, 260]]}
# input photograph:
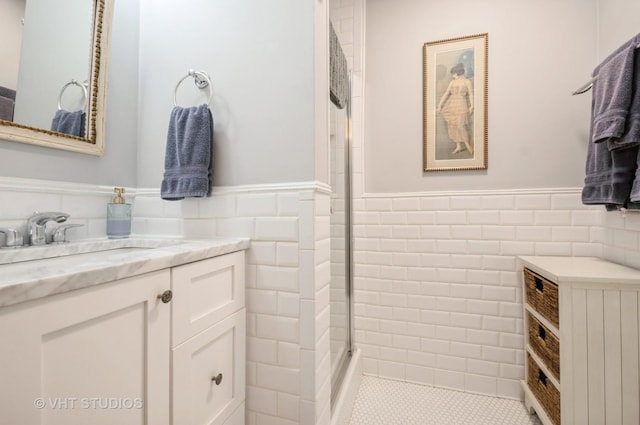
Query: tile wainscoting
{"points": [[288, 273], [437, 294], [437, 297]]}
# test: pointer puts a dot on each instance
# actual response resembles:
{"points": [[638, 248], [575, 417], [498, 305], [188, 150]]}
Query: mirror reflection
{"points": [[51, 87], [55, 51]]}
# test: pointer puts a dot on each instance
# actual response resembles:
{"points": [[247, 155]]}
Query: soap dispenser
{"points": [[118, 216]]}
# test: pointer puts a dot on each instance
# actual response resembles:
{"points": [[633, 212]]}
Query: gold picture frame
{"points": [[455, 80]]}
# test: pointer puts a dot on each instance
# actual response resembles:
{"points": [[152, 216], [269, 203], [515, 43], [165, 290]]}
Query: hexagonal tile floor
{"points": [[388, 402]]}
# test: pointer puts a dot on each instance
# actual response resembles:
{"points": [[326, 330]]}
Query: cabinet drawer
{"points": [[542, 295], [204, 293], [543, 390], [545, 344], [218, 352]]}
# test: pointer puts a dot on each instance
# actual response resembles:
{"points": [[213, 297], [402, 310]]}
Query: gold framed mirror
{"points": [[59, 98]]}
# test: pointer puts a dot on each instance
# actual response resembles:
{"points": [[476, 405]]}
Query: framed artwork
{"points": [[455, 103]]}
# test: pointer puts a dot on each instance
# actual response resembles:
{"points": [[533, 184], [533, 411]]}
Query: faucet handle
{"points": [[12, 238], [59, 234]]}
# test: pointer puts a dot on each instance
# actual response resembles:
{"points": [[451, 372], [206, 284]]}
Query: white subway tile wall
{"points": [[287, 306], [434, 304], [20, 198], [437, 294], [288, 274]]}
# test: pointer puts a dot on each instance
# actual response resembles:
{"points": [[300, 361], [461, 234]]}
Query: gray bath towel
{"points": [[188, 155], [72, 123], [613, 97], [6, 109], [338, 73], [631, 133], [634, 198], [611, 158], [609, 176]]}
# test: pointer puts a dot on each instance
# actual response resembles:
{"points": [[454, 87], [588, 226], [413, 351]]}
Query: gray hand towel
{"points": [[6, 109], [7, 92], [72, 123], [188, 156]]}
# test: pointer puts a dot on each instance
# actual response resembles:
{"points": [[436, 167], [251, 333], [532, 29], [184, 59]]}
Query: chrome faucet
{"points": [[12, 238], [37, 222]]}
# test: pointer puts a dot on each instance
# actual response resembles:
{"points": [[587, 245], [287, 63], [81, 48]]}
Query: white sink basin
{"points": [[80, 251]]}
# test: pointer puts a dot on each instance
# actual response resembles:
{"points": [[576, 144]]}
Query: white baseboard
{"points": [[346, 399]]}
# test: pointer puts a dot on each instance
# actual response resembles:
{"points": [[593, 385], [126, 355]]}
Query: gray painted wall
{"points": [[260, 56], [118, 165], [537, 56], [56, 47], [10, 41], [617, 23]]}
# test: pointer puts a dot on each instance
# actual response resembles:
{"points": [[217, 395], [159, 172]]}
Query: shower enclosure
{"points": [[341, 252]]}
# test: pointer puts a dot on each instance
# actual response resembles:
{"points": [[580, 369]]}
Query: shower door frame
{"points": [[338, 377]]}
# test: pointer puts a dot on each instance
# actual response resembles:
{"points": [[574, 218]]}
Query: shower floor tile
{"points": [[388, 402]]}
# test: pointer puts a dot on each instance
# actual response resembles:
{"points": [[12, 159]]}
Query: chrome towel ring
{"points": [[73, 82], [201, 80]]}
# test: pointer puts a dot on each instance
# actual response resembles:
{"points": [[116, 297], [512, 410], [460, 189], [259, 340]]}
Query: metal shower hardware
{"points": [[201, 80]]}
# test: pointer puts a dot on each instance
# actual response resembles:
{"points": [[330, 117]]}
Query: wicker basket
{"points": [[542, 295], [544, 391], [545, 344]]}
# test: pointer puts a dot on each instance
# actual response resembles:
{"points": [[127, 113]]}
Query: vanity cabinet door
{"points": [[205, 292], [209, 374], [98, 355]]}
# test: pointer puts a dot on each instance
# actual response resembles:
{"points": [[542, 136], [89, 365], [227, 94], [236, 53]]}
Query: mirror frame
{"points": [[94, 143]]}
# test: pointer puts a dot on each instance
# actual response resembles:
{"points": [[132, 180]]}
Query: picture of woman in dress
{"points": [[456, 107]]}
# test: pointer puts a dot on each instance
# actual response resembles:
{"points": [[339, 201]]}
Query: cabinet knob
{"points": [[217, 379], [166, 296]]}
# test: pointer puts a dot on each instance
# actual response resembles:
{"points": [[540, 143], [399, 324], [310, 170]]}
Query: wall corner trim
{"points": [[314, 186], [16, 184], [488, 192]]}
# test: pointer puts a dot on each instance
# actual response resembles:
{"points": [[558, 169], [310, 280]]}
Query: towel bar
{"points": [[587, 86], [201, 80]]}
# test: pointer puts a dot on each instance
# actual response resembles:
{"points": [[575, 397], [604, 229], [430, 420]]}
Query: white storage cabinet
{"points": [[582, 320]]}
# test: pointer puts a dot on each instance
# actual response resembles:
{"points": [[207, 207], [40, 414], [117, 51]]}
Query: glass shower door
{"points": [[340, 224]]}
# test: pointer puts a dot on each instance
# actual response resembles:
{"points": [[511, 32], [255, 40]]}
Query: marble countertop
{"points": [[34, 272]]}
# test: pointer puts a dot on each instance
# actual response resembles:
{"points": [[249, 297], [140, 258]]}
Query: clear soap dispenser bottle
{"points": [[118, 216]]}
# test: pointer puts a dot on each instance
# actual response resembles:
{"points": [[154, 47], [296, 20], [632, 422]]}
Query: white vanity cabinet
{"points": [[120, 353], [582, 324], [98, 355], [208, 342]]}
